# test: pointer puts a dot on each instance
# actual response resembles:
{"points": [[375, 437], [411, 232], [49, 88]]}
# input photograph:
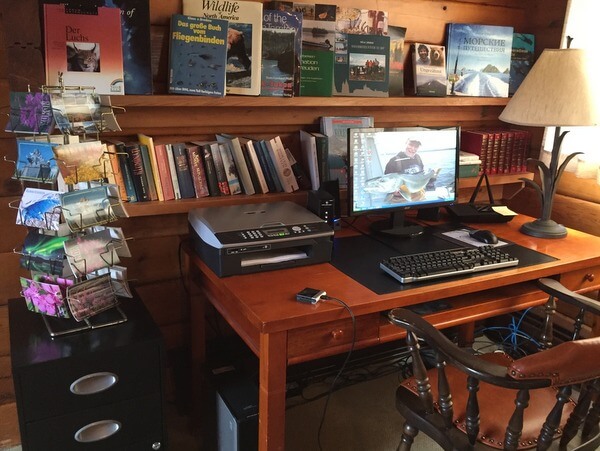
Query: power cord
{"points": [[341, 370]]}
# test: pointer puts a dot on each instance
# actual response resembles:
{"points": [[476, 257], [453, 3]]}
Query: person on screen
{"points": [[407, 161]]}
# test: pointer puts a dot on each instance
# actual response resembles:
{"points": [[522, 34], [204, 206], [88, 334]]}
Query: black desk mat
{"points": [[359, 257]]}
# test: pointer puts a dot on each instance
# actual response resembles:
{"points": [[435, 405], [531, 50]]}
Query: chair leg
{"points": [[552, 422], [578, 415], [515, 425], [593, 417], [408, 437]]}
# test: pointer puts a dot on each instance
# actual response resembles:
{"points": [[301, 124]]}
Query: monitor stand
{"points": [[396, 226]]}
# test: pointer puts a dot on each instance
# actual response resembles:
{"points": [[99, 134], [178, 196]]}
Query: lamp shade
{"points": [[560, 90]]}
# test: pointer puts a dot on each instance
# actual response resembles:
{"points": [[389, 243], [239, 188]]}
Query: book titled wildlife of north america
{"points": [[478, 59], [197, 56], [244, 40]]}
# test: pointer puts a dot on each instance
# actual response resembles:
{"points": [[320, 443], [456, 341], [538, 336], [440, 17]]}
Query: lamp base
{"points": [[544, 228]]}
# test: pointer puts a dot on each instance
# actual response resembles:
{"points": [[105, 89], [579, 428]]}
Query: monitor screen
{"points": [[397, 169]]}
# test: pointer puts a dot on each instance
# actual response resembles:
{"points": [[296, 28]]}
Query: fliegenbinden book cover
{"points": [[478, 59]]}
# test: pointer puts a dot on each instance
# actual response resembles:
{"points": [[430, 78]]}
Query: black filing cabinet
{"points": [[99, 389]]}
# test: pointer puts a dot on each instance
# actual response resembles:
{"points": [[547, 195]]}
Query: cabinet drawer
{"points": [[317, 340], [46, 387], [582, 280], [139, 419]]}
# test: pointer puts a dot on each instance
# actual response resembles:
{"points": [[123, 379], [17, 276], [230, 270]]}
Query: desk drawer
{"points": [[583, 280], [324, 339]]}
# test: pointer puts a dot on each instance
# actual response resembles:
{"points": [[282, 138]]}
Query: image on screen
{"points": [[402, 168]]}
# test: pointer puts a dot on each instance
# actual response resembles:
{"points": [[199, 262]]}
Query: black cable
{"points": [[331, 388]]}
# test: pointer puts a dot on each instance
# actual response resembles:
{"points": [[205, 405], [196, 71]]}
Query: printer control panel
{"points": [[272, 233]]}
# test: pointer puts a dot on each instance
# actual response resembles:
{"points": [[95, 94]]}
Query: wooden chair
{"points": [[491, 401]]}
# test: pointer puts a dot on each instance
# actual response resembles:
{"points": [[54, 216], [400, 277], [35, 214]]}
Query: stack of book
{"points": [[500, 151], [229, 165]]}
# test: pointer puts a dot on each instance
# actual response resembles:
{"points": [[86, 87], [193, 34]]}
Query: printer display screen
{"points": [[276, 232]]}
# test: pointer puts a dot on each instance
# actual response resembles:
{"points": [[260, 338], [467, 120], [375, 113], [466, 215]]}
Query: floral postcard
{"points": [[40, 208], [44, 298], [91, 252], [43, 253], [87, 208], [91, 297], [35, 161], [30, 112], [80, 162]]}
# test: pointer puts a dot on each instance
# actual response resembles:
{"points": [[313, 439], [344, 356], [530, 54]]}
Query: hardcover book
{"points": [[522, 59], [318, 37], [194, 154], [197, 56], [273, 180], [85, 48], [209, 167], [231, 171], [148, 141], [173, 171], [148, 171], [184, 174], [308, 147], [244, 39], [248, 147], [162, 162], [282, 49], [121, 158], [136, 169], [396, 85], [219, 169], [282, 164], [478, 59], [429, 69], [30, 112], [235, 148]]}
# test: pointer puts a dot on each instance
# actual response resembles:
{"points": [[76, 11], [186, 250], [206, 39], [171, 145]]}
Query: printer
{"points": [[241, 239]]}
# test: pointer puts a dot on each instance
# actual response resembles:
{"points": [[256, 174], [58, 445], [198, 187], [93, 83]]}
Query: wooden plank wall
{"points": [[155, 239]]}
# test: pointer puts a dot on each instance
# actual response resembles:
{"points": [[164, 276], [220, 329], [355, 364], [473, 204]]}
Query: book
{"points": [[116, 170], [148, 141], [361, 63], [136, 168], [231, 172], [197, 55], [282, 49], [235, 149], [164, 171], [269, 169], [85, 48], [396, 72], [184, 173], [317, 59], [194, 154], [282, 164], [209, 167], [148, 171], [336, 128], [322, 143], [522, 59], [173, 171], [308, 148], [219, 169], [478, 59], [253, 174], [244, 40], [30, 112], [475, 142], [249, 147], [429, 69], [122, 158], [302, 178]]}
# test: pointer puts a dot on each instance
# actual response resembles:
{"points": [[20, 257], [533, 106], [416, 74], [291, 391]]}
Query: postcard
{"points": [[91, 297], [80, 162], [43, 253], [118, 276], [40, 208], [118, 238], [76, 113], [87, 208], [30, 112], [88, 253], [35, 161], [44, 298]]}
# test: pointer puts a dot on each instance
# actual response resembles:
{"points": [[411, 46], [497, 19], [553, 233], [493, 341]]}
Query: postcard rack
{"points": [[71, 252]]}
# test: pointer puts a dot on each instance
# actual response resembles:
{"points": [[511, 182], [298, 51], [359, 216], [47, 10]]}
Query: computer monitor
{"points": [[392, 170]]}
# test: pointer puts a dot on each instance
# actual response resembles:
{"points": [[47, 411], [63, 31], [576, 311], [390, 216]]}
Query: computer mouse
{"points": [[485, 236]]}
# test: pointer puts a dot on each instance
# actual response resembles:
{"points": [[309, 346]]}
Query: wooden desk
{"points": [[263, 311]]}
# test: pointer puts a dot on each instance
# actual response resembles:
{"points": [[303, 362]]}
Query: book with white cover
{"points": [[282, 164]]}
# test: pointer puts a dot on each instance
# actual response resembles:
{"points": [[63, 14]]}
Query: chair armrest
{"points": [[559, 291], [465, 361]]}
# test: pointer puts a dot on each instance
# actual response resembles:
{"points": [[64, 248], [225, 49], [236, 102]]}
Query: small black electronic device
{"points": [[484, 236], [310, 295], [322, 203]]}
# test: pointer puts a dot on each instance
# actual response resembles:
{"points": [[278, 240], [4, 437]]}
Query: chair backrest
{"points": [[535, 391]]}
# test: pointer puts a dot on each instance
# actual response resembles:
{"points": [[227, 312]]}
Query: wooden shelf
{"points": [[170, 207]]}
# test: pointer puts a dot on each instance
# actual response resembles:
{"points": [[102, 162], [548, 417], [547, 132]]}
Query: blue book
{"points": [[478, 59], [277, 186], [197, 56], [184, 174], [522, 60]]}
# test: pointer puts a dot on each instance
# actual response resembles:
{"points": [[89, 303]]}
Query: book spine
{"points": [[233, 178], [116, 170], [123, 158], [475, 142], [271, 166], [322, 143], [136, 166], [309, 156], [510, 145], [173, 171], [152, 193], [254, 158], [162, 161], [149, 142], [197, 171], [495, 153], [184, 175], [253, 175], [287, 174], [209, 170], [502, 152], [220, 169], [301, 178], [240, 163]]}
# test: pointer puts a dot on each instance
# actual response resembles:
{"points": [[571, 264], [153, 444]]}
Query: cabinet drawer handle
{"points": [[589, 277], [97, 431], [337, 334], [93, 383]]}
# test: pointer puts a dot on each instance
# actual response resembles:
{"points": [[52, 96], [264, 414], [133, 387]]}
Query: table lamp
{"points": [[558, 92]]}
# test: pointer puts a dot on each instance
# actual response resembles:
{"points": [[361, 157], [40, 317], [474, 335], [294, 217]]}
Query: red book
{"points": [[197, 170], [476, 142], [162, 161]]}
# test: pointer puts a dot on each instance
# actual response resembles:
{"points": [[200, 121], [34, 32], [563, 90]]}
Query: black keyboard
{"points": [[446, 263]]}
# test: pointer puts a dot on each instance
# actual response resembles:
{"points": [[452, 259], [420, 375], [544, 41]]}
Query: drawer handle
{"points": [[337, 334], [93, 383], [589, 277], [97, 431]]}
